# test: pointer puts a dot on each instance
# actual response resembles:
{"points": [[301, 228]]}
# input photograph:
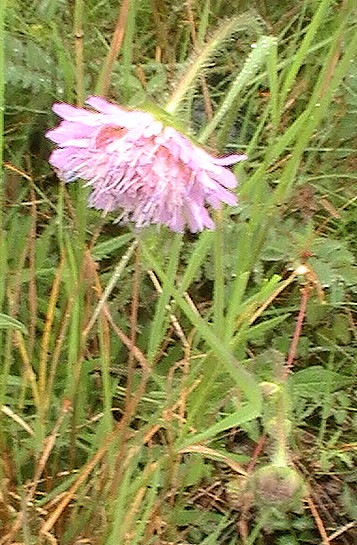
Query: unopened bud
{"points": [[277, 486]]}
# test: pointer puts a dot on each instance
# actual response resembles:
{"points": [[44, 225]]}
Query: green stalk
{"points": [[302, 52], [2, 107], [127, 51], [104, 343], [5, 350], [261, 522], [251, 66], [218, 292], [2, 72], [280, 457], [158, 325]]}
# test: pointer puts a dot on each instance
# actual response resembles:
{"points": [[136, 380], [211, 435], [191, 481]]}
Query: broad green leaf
{"points": [[317, 380]]}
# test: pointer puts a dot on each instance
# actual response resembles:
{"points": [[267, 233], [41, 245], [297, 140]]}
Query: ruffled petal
{"points": [[152, 173], [230, 159], [103, 106]]}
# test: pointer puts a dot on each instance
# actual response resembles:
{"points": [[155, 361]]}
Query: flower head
{"points": [[135, 163]]}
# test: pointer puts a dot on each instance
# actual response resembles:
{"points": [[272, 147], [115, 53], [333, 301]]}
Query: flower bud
{"points": [[277, 486]]}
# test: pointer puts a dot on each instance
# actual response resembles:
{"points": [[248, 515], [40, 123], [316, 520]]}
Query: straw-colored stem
{"points": [[42, 373], [115, 46], [78, 37], [133, 322], [115, 277], [32, 267]]}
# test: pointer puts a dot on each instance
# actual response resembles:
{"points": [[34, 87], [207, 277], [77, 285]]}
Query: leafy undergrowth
{"points": [[194, 389]]}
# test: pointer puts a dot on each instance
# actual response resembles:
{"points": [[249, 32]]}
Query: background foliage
{"points": [[156, 415]]}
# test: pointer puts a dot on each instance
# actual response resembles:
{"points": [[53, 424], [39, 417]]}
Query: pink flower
{"points": [[135, 163]]}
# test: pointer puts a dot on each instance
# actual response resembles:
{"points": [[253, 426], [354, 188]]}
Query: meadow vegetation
{"points": [[199, 389]]}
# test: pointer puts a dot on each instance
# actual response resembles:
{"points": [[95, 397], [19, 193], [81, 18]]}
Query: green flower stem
{"points": [[280, 457]]}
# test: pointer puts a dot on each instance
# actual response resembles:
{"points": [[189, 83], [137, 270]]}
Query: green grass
{"points": [[149, 383]]}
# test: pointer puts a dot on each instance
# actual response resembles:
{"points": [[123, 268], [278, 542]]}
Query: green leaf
{"points": [[341, 328], [316, 380], [6, 322], [104, 249], [245, 413], [265, 326]]}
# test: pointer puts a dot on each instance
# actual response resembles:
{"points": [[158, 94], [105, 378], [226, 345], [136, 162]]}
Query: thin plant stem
{"points": [[27, 367], [257, 450], [66, 315], [139, 356], [297, 332], [78, 37], [300, 270], [45, 344], [124, 428], [204, 86], [2, 106], [115, 277], [3, 256], [115, 46], [218, 296], [320, 525], [32, 267], [104, 343], [280, 457], [133, 322]]}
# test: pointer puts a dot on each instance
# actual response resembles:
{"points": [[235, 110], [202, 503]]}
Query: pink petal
{"points": [[103, 106], [72, 113], [230, 159], [67, 130], [132, 162]]}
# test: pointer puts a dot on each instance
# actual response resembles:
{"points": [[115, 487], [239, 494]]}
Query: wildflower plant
{"points": [[135, 163], [147, 372]]}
